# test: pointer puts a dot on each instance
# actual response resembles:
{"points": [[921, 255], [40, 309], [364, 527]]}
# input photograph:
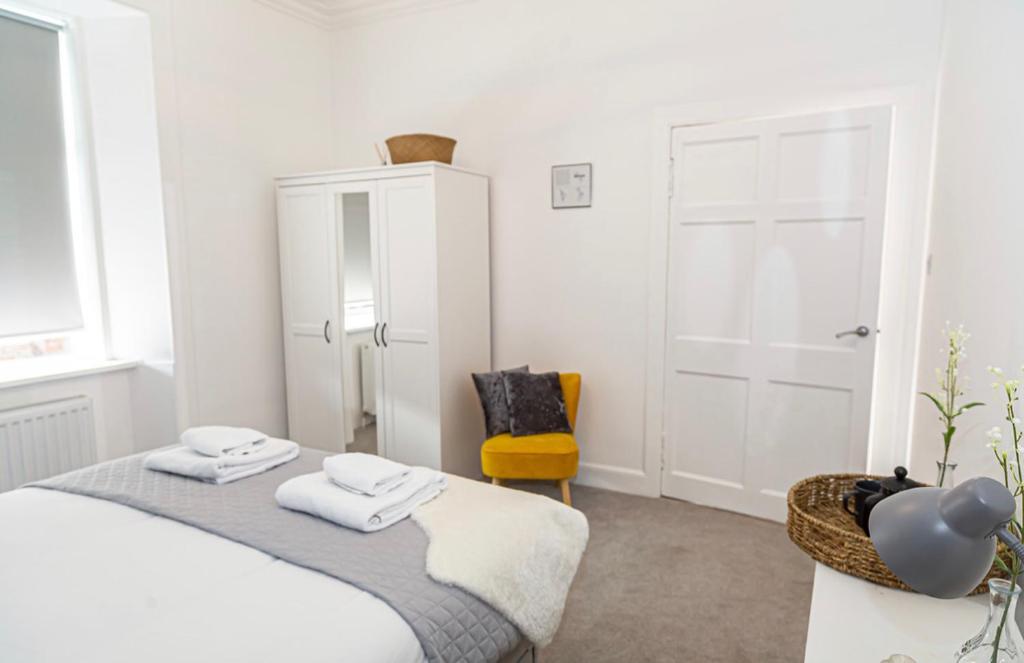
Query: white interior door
{"points": [[407, 272], [775, 248], [313, 329]]}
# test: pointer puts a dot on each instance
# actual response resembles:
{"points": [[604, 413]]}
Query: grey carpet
{"points": [[365, 440], [668, 581]]}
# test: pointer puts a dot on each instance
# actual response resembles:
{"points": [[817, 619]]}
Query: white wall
{"points": [[115, 66], [527, 85], [243, 95], [977, 224]]}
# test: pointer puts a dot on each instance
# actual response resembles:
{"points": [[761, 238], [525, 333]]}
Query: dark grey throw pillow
{"points": [[535, 404], [491, 389]]}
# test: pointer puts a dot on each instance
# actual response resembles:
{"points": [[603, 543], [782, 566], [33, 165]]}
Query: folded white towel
{"points": [[223, 440], [223, 469], [317, 495], [365, 473]]}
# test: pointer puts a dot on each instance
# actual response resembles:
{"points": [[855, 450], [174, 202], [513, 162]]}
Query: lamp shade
{"points": [[940, 541]]}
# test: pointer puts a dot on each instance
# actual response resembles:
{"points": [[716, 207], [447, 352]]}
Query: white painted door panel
{"points": [[408, 274], [312, 318], [775, 246]]}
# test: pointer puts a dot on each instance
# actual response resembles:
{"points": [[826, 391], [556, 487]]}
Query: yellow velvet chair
{"points": [[547, 456]]}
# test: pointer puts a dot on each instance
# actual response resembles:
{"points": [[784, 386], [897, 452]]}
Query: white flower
{"points": [[1015, 421], [994, 434], [998, 372]]}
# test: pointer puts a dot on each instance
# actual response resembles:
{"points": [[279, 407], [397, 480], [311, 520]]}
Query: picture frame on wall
{"points": [[571, 185]]}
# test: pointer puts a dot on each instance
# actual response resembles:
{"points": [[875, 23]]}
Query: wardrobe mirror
{"points": [[359, 383]]}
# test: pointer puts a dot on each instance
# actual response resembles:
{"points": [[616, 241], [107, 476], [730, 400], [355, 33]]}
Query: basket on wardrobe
{"points": [[410, 148]]}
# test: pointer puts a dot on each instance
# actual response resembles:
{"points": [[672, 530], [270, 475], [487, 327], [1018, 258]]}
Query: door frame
{"points": [[904, 257]]}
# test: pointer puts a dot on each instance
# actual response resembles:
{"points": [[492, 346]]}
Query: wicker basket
{"points": [[420, 147], [818, 525]]}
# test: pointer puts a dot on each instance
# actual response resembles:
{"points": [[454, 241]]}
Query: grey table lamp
{"points": [[941, 542]]}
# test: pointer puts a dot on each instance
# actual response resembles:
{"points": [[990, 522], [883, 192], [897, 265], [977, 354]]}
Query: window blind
{"points": [[38, 285]]}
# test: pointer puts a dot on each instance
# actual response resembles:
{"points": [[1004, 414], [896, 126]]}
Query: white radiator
{"points": [[43, 440], [367, 379]]}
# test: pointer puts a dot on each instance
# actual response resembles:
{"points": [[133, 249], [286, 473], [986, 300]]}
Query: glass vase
{"points": [[1000, 639], [944, 478]]}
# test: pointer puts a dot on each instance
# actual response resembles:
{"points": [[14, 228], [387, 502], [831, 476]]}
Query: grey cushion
{"points": [[535, 403], [491, 389]]}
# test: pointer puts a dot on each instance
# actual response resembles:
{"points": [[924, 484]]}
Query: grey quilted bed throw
{"points": [[451, 624]]}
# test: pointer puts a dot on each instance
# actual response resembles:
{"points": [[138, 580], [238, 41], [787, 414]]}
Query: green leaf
{"points": [[1002, 566], [934, 400], [963, 408]]}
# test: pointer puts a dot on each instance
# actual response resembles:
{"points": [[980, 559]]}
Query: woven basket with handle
{"points": [[818, 525], [420, 147]]}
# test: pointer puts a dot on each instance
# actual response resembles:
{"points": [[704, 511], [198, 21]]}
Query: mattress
{"points": [[92, 581]]}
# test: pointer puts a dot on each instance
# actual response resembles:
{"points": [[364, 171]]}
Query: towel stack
{"points": [[361, 491], [222, 454]]}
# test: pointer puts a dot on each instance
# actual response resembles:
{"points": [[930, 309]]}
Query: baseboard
{"points": [[620, 479]]}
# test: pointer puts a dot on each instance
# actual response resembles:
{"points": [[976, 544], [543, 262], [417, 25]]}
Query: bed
{"points": [[85, 579]]}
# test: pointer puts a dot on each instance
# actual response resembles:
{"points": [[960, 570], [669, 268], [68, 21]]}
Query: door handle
{"points": [[327, 327], [375, 325], [861, 331], [382, 339]]}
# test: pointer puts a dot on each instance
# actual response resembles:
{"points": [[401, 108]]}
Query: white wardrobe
{"points": [[430, 278]]}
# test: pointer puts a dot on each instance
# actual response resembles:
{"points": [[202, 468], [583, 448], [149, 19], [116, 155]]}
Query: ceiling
{"points": [[343, 13]]}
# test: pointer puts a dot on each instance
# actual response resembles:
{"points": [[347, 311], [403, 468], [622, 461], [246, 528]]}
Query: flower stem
{"points": [[1017, 435], [1006, 613]]}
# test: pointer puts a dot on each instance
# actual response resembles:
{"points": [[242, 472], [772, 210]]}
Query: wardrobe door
{"points": [[407, 268], [311, 311]]}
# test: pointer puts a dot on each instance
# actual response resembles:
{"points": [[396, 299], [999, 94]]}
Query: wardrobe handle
{"points": [[382, 339], [327, 326], [375, 325]]}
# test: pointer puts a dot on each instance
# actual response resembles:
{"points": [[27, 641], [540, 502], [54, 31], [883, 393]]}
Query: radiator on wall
{"points": [[43, 440], [367, 379]]}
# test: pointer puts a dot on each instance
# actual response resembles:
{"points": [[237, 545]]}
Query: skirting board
{"points": [[620, 479]]}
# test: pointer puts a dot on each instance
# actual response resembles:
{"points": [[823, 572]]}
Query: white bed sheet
{"points": [[91, 581]]}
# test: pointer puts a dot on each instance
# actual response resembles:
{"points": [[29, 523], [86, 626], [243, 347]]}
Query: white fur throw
{"points": [[515, 550]]}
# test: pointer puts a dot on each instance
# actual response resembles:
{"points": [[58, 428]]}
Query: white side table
{"points": [[855, 621]]}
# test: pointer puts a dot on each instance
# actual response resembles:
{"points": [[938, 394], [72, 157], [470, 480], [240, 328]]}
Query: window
{"points": [[45, 266]]}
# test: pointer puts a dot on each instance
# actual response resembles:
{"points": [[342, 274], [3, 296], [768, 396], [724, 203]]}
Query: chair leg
{"points": [[496, 481], [564, 484]]}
